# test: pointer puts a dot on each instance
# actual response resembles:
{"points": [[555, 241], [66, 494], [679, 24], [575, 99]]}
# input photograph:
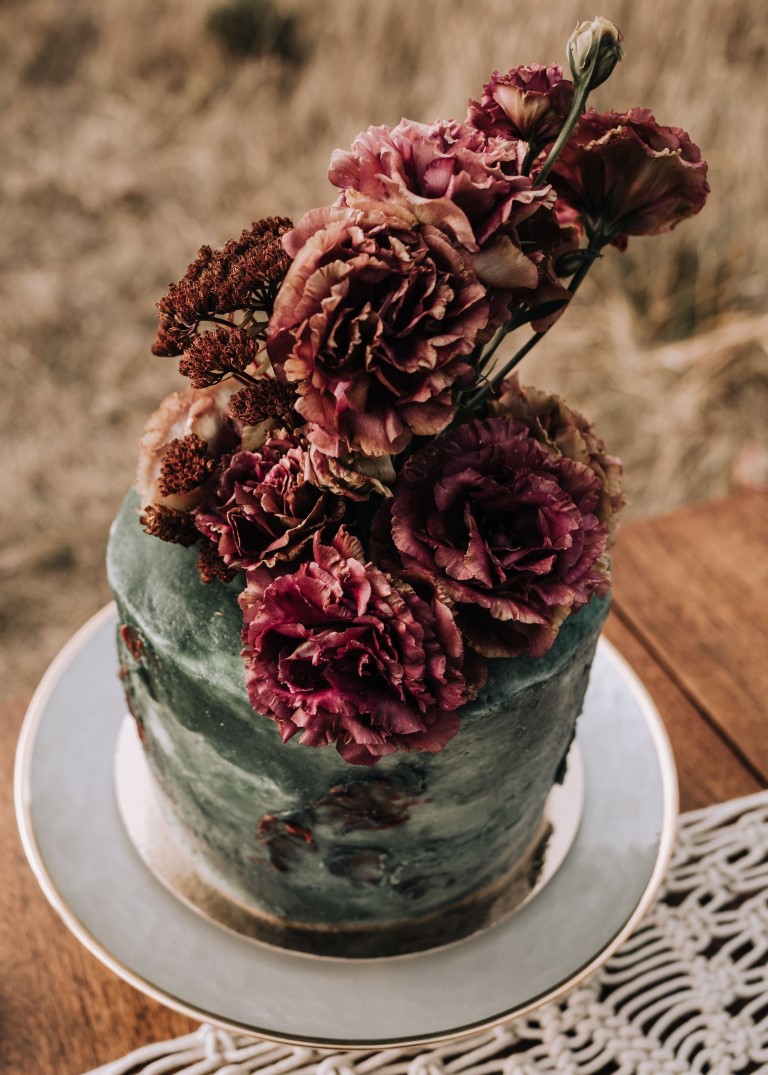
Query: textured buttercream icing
{"points": [[296, 832]]}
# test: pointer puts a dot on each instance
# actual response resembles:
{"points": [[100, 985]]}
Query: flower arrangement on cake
{"points": [[376, 538], [399, 509]]}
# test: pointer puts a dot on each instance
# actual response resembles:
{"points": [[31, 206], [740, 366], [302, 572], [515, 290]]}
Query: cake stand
{"points": [[90, 872]]}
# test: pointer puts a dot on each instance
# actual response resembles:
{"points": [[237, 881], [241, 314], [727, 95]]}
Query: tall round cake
{"points": [[312, 844]]}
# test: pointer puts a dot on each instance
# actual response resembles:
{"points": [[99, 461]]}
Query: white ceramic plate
{"points": [[92, 875]]}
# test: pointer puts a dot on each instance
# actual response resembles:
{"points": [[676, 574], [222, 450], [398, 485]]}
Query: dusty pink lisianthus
{"points": [[553, 422], [624, 174], [345, 654], [449, 174], [264, 511], [373, 322], [199, 412], [504, 527], [530, 103]]}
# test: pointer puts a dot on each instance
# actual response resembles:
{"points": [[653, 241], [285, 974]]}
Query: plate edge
{"points": [[22, 772]]}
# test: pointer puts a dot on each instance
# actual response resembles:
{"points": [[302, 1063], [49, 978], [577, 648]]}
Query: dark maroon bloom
{"points": [[373, 323], [530, 103], [448, 174], [354, 477], [624, 174], [553, 422], [345, 654], [504, 527], [265, 511], [546, 240]]}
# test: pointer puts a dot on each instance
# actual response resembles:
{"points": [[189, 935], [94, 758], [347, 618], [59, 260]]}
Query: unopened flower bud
{"points": [[599, 43]]}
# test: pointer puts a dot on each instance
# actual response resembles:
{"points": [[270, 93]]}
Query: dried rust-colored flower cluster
{"points": [[267, 398], [243, 276]]}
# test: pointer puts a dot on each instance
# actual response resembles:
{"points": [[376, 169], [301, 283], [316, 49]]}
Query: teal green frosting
{"points": [[294, 830]]}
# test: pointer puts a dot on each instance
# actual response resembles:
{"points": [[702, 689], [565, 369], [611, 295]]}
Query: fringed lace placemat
{"points": [[688, 992]]}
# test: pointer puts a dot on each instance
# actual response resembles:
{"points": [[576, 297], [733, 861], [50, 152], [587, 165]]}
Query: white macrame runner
{"points": [[688, 992]]}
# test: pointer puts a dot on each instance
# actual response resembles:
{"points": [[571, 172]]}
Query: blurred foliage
{"points": [[60, 50], [254, 28]]}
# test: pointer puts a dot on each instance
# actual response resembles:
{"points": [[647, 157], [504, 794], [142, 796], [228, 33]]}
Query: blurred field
{"points": [[130, 137]]}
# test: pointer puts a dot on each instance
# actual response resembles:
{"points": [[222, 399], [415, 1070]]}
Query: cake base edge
{"points": [[161, 846]]}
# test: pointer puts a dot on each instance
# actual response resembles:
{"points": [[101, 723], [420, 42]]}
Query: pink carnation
{"points": [[530, 103], [374, 322], [504, 527], [624, 174], [553, 422], [448, 174], [345, 654]]}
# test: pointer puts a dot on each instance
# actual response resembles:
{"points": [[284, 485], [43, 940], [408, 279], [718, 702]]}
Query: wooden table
{"points": [[690, 614]]}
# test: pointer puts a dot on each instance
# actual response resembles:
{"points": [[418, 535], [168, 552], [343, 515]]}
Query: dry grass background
{"points": [[130, 137]]}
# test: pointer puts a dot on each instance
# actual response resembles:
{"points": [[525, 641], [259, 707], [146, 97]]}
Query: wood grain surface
{"points": [[691, 617]]}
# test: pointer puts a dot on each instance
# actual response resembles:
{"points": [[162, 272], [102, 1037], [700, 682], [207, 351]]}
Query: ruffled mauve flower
{"points": [[352, 476], [264, 510], [505, 529], [373, 322], [198, 412], [530, 103], [448, 174], [553, 422], [345, 654], [624, 174]]}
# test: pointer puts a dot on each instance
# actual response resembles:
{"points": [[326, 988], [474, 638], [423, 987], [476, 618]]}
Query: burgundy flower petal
{"points": [[342, 653], [530, 103], [553, 422], [624, 174], [503, 527], [265, 510]]}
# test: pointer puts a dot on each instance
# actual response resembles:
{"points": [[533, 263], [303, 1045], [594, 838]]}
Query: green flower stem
{"points": [[493, 382], [241, 376], [534, 148], [582, 87], [499, 338], [501, 335], [577, 107]]}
